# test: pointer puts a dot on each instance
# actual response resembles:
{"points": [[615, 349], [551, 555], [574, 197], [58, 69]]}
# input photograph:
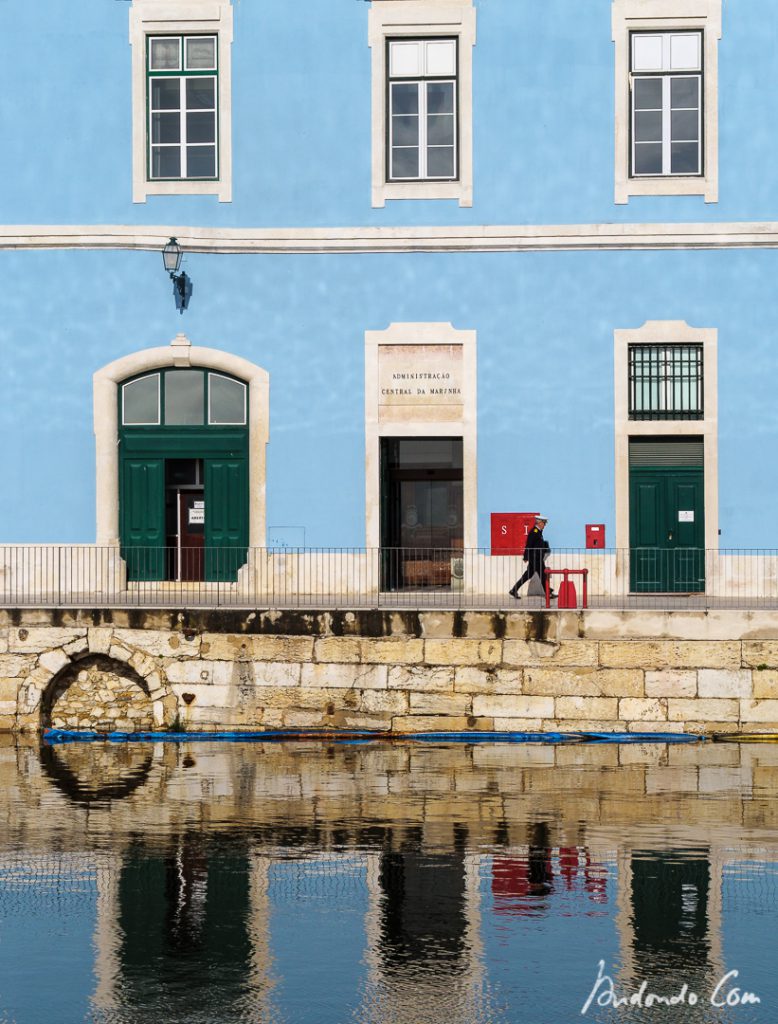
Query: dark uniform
{"points": [[535, 553]]}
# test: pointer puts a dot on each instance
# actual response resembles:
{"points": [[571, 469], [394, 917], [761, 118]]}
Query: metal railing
{"points": [[414, 578]]}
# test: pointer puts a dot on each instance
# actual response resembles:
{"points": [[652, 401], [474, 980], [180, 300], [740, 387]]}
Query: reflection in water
{"points": [[519, 884], [423, 920], [94, 772], [183, 921], [670, 909], [383, 884]]}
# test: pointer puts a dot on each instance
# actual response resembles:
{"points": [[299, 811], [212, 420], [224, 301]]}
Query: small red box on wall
{"points": [[595, 535], [509, 531]]}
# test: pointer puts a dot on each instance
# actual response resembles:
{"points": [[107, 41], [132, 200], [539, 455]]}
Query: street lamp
{"points": [[182, 285]]}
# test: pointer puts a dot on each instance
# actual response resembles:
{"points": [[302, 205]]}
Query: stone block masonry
{"points": [[389, 671]]}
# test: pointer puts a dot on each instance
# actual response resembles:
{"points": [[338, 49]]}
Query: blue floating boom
{"points": [[52, 736]]}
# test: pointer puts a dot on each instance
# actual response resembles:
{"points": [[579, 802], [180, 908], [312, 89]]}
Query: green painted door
{"points": [[142, 510], [667, 529], [226, 517]]}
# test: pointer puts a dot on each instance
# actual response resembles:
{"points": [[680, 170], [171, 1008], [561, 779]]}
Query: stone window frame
{"points": [[426, 334], [181, 17], [628, 16], [422, 19], [666, 332], [180, 354]]}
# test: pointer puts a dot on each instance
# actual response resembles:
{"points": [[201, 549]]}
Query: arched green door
{"points": [[183, 488]]}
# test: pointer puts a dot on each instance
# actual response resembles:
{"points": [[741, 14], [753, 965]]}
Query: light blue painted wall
{"points": [[543, 126], [545, 372], [543, 118]]}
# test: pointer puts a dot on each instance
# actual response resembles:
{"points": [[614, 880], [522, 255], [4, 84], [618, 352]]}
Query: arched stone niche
{"points": [[182, 354], [90, 688], [98, 693]]}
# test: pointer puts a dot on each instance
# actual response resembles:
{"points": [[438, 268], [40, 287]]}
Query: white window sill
{"points": [[670, 186], [422, 190], [221, 189]]}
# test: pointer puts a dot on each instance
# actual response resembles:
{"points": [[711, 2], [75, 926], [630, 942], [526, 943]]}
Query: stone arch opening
{"points": [[98, 693]]}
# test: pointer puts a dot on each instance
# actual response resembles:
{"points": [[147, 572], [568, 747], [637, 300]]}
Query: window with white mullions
{"points": [[667, 103], [422, 121], [182, 103]]}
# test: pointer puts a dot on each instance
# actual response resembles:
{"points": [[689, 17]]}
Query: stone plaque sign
{"points": [[420, 375]]}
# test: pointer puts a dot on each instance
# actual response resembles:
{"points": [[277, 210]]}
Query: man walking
{"points": [[536, 552]]}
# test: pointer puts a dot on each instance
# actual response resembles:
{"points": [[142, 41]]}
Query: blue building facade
{"points": [[544, 178]]}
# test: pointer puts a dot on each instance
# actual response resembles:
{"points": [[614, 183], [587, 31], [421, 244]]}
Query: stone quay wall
{"points": [[389, 671]]}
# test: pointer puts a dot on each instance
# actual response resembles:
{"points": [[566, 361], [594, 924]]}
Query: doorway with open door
{"points": [[185, 519], [422, 511], [667, 514]]}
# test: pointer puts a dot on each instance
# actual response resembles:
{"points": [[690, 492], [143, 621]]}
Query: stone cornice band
{"points": [[507, 238]]}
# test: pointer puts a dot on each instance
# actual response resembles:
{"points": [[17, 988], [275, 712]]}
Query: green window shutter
{"points": [[142, 515], [226, 517]]}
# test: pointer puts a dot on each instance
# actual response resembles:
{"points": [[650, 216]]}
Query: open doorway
{"points": [[422, 510], [185, 519]]}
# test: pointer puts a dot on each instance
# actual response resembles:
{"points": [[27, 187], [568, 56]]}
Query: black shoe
{"points": [[552, 593], [514, 593]]}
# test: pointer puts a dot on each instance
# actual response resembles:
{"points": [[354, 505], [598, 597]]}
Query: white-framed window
{"points": [[422, 115], [666, 127], [422, 100], [667, 92], [181, 98]]}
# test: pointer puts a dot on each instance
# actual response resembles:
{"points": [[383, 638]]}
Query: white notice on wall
{"points": [[196, 516], [686, 517]]}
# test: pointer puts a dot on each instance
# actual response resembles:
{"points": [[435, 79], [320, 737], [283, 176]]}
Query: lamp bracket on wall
{"points": [[182, 283]]}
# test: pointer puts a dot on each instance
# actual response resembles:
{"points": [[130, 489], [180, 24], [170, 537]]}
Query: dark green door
{"points": [[226, 517], [184, 432], [667, 529], [143, 518]]}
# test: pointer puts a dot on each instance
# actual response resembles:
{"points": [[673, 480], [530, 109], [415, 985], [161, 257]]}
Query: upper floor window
{"points": [[183, 398], [422, 99], [181, 97], [422, 116], [667, 103], [665, 382], [183, 107], [666, 110]]}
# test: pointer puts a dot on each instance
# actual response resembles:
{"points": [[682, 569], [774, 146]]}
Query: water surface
{"points": [[383, 883]]}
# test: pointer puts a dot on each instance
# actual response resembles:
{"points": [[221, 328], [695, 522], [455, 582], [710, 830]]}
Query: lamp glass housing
{"points": [[171, 256]]}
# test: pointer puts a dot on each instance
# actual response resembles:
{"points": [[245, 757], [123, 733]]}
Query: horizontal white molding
{"points": [[507, 238]]}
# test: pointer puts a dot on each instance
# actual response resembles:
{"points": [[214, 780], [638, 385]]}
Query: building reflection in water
{"points": [[670, 926], [423, 915], [192, 858], [424, 951], [180, 919], [182, 915], [521, 884]]}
